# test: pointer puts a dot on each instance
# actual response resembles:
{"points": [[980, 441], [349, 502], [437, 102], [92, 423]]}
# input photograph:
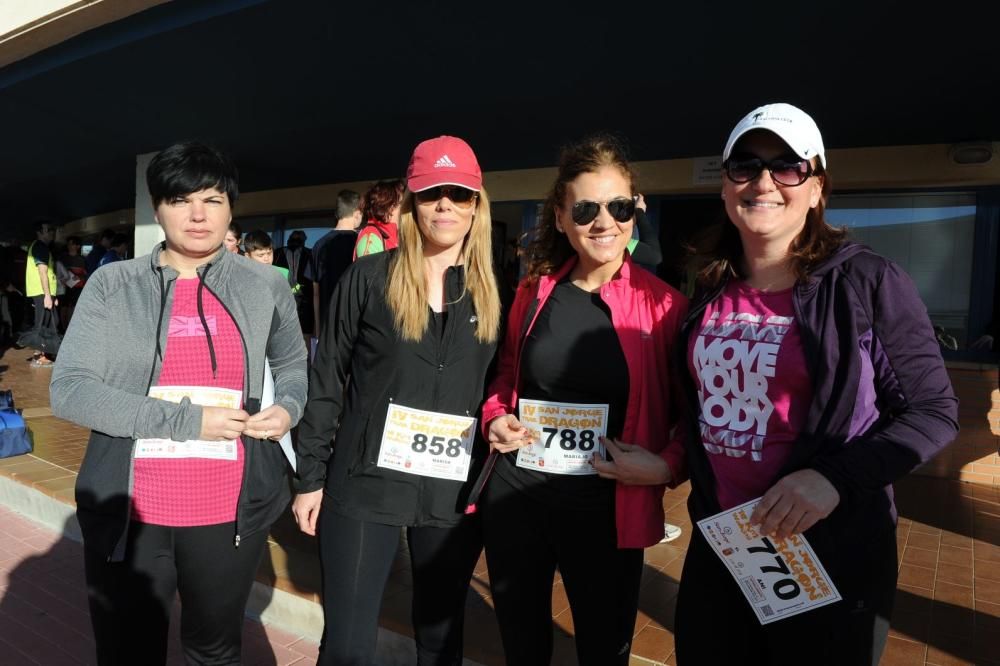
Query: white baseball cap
{"points": [[790, 123]]}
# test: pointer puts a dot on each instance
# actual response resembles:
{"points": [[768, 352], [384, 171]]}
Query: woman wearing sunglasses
{"points": [[396, 387], [814, 381], [585, 356]]}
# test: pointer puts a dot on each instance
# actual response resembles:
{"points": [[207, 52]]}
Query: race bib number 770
{"points": [[779, 577]]}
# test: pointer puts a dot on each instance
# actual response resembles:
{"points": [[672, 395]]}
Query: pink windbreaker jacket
{"points": [[646, 313]]}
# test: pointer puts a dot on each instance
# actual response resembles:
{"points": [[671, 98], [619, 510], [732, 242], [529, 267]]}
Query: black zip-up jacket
{"points": [[361, 366], [882, 401]]}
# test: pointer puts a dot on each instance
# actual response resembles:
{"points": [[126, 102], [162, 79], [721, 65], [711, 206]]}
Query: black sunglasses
{"points": [[584, 212], [461, 196], [784, 172]]}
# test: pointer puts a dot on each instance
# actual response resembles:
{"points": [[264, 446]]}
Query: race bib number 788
{"points": [[567, 436]]}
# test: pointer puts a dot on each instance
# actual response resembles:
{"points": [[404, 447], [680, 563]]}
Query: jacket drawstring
{"points": [[204, 325], [159, 329], [159, 321]]}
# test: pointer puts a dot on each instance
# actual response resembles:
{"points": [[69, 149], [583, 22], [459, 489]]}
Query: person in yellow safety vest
{"points": [[40, 279]]}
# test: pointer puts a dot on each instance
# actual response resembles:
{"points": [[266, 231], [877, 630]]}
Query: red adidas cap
{"points": [[446, 160]]}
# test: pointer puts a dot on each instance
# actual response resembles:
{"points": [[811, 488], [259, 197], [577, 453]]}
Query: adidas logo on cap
{"points": [[444, 160]]}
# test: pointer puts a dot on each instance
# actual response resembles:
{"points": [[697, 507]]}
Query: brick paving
{"points": [[43, 606]]}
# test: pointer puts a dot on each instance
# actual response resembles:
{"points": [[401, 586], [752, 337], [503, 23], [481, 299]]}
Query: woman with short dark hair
{"points": [[182, 478]]}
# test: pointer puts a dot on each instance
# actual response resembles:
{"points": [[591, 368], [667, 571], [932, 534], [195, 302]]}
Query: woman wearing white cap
{"points": [[396, 386], [813, 382]]}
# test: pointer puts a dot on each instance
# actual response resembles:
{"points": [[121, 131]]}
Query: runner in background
{"points": [[40, 282], [645, 246], [410, 329], [234, 236], [76, 267], [380, 210], [820, 383], [589, 334], [332, 255]]}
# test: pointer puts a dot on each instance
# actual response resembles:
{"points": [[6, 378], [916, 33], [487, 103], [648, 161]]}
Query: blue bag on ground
{"points": [[15, 438]]}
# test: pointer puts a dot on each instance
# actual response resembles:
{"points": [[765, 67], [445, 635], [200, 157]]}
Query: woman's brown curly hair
{"points": [[381, 198], [549, 249]]}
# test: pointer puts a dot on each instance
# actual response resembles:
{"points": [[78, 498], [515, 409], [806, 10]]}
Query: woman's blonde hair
{"points": [[406, 288]]}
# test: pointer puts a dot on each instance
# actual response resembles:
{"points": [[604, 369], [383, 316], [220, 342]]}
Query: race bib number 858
{"points": [[425, 443]]}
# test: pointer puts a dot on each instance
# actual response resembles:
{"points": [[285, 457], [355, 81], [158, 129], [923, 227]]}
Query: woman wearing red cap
{"points": [[586, 355], [396, 386], [813, 381]]}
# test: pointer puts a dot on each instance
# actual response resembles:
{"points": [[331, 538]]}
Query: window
{"points": [[931, 237]]}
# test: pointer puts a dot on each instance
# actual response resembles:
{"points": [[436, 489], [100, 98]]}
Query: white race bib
{"points": [[194, 448], [567, 436], [425, 443], [779, 577]]}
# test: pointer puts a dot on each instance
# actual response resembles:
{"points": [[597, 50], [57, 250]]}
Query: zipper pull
{"points": [[236, 541]]}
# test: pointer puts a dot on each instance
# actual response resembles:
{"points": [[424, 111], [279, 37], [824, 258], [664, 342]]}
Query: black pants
{"points": [[39, 305], [357, 557], [525, 542], [130, 601], [715, 624]]}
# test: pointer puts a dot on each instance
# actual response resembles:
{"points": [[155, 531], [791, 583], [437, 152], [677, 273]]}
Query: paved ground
{"points": [[43, 606]]}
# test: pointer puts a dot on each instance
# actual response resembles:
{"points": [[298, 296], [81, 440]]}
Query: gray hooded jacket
{"points": [[113, 352]]}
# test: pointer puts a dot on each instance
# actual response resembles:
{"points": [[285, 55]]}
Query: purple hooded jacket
{"points": [[882, 400]]}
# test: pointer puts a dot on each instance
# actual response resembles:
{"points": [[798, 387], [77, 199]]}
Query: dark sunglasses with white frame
{"points": [[784, 171]]}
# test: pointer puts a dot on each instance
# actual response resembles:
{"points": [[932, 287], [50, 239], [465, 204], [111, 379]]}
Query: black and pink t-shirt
{"points": [[186, 492], [753, 386]]}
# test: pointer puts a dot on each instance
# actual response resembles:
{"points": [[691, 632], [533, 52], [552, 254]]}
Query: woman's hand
{"points": [[795, 503], [305, 508], [221, 423], [271, 423], [632, 465], [506, 434]]}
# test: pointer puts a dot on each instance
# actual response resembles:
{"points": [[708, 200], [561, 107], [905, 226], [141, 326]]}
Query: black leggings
{"points": [[851, 632], [130, 601], [357, 557], [525, 542]]}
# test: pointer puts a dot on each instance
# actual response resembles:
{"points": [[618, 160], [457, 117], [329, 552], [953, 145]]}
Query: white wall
{"points": [[14, 14]]}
